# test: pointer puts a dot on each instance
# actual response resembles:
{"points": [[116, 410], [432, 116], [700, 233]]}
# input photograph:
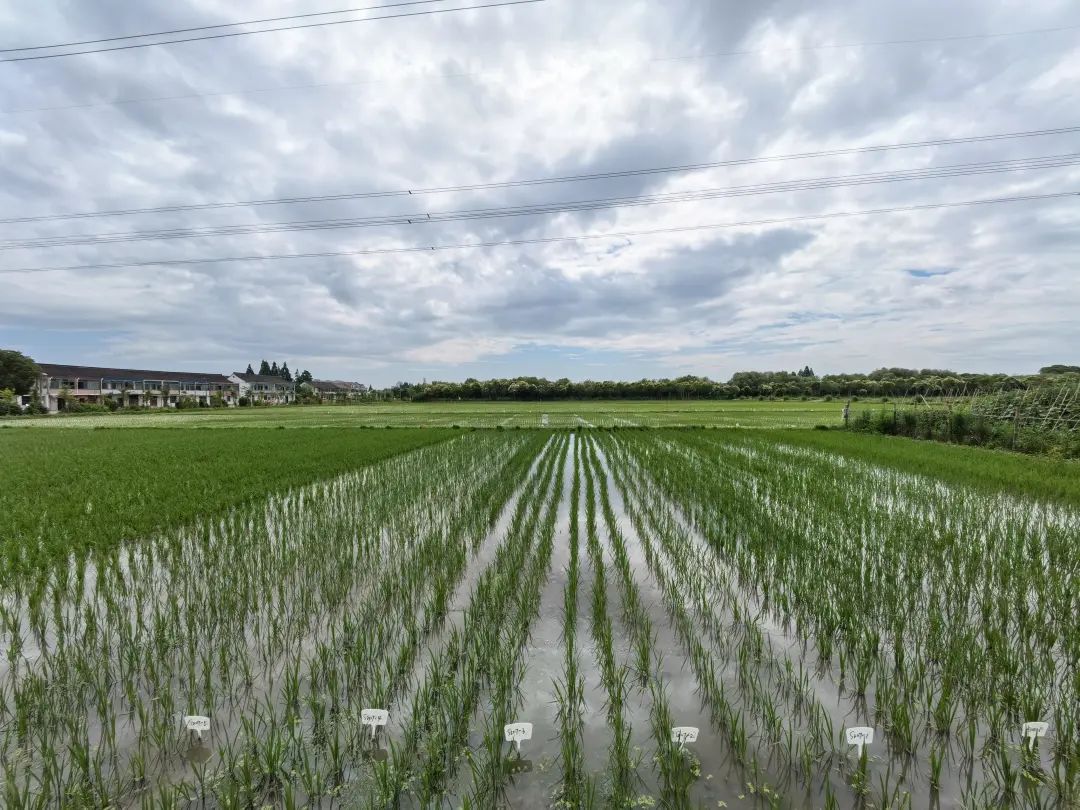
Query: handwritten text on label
{"points": [[1033, 729], [195, 722], [684, 734], [516, 732], [374, 717], [859, 736]]}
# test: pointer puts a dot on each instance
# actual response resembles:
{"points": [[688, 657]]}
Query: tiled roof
{"points": [[262, 378], [134, 374]]}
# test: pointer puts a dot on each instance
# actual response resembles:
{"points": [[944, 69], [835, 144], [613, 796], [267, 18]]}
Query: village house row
{"points": [[61, 384]]}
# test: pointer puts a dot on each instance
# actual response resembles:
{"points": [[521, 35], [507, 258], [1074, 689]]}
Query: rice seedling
{"points": [[771, 592]]}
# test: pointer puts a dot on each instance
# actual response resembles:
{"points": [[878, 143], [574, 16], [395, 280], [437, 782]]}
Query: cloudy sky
{"points": [[546, 89]]}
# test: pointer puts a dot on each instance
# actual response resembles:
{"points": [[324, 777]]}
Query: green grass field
{"points": [[77, 490], [711, 413]]}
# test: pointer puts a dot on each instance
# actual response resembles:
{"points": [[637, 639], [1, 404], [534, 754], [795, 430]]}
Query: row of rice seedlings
{"points": [[622, 780], [799, 751], [100, 656], [577, 789], [399, 590], [793, 727], [389, 614], [396, 619], [678, 767], [491, 768], [430, 746], [902, 653], [405, 614], [390, 681], [909, 688]]}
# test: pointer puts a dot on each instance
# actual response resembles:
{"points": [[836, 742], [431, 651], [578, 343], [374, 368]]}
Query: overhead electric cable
{"points": [[537, 209], [548, 180], [877, 43], [324, 24], [474, 74], [220, 25], [546, 240]]}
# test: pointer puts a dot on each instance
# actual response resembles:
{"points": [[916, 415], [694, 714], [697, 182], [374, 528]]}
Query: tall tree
{"points": [[17, 371], [304, 376], [274, 370], [264, 368], [285, 373], [249, 371]]}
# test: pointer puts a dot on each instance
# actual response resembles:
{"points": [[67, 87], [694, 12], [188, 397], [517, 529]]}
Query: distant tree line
{"points": [[884, 382], [273, 370], [19, 374]]}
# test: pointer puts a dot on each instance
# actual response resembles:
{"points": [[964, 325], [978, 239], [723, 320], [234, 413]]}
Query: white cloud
{"points": [[554, 88]]}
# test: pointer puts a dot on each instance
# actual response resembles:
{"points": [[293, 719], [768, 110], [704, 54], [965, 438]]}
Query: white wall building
{"points": [[266, 388], [61, 384]]}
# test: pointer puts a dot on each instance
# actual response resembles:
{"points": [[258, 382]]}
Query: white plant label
{"points": [[374, 718], [1033, 730], [197, 723], [516, 732], [684, 734], [860, 736]]}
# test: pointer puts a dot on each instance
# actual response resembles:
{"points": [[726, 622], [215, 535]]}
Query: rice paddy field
{"points": [[712, 413], [770, 589]]}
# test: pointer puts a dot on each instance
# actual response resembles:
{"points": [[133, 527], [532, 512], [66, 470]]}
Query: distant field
{"points": [[89, 489], [714, 413]]}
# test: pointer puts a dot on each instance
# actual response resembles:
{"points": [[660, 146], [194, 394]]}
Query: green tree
{"points": [[274, 370], [18, 372], [249, 371], [304, 376], [264, 368], [285, 373]]}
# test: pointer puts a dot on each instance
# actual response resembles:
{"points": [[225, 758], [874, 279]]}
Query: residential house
{"points": [[266, 388], [338, 390], [61, 384]]}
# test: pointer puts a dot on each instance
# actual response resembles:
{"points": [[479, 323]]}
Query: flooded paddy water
{"points": [[604, 586]]}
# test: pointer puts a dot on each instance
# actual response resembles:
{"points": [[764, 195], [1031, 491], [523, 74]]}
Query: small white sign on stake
{"points": [[197, 723], [1034, 729], [374, 718], [516, 732], [859, 736], [684, 734]]}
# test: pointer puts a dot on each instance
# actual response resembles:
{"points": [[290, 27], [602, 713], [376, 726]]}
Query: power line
{"points": [[473, 74], [548, 180], [216, 94], [550, 239], [878, 43], [955, 170], [219, 25], [463, 75], [270, 30]]}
